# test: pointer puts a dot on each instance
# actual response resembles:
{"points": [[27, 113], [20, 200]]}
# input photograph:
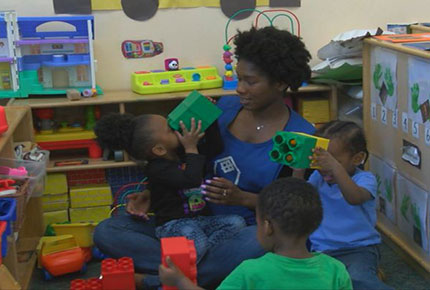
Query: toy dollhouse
{"points": [[38, 60]]}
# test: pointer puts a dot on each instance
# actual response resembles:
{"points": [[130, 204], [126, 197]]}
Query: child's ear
{"points": [[159, 150], [358, 158], [268, 228]]}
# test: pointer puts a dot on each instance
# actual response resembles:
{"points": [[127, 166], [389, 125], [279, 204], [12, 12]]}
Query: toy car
{"points": [[62, 256]]}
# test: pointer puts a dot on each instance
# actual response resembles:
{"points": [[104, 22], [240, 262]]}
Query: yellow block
{"points": [[56, 183], [90, 195], [47, 239], [83, 232], [68, 136], [89, 214], [55, 206], [55, 217], [315, 110]]}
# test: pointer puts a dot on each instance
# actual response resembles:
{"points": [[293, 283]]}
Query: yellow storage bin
{"points": [[55, 183], [52, 217], [89, 214], [83, 232], [314, 110], [90, 195]]}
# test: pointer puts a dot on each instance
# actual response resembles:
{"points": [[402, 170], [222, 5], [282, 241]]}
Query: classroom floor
{"points": [[398, 274]]}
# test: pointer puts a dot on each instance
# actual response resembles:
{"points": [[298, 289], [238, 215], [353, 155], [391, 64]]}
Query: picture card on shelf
{"points": [[412, 207], [383, 87], [385, 177]]}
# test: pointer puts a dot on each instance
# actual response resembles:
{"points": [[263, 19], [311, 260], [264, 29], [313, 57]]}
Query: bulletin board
{"points": [[396, 84]]}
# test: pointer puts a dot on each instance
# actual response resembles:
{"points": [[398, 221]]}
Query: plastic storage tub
{"points": [[35, 173]]}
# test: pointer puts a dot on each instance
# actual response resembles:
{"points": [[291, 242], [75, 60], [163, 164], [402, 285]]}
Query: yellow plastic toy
{"points": [[83, 232], [146, 82]]}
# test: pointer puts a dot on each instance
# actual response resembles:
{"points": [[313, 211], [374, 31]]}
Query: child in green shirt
{"points": [[288, 211]]}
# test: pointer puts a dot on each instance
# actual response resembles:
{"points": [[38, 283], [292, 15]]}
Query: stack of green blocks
{"points": [[194, 106], [293, 149]]}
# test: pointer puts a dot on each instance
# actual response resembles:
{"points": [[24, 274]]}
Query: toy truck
{"points": [[61, 256]]}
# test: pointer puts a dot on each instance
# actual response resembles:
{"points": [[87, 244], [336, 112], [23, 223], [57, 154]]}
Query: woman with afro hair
{"points": [[270, 62]]}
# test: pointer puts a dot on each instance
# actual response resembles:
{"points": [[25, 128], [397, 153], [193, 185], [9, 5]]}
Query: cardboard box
{"points": [[55, 183], [89, 214], [90, 195], [55, 217], [55, 202]]}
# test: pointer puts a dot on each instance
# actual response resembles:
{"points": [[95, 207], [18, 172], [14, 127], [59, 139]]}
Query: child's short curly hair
{"points": [[293, 204], [280, 55]]}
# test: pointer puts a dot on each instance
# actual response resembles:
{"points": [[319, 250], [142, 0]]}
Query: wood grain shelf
{"points": [[92, 164], [384, 140], [395, 235], [20, 129], [124, 96]]}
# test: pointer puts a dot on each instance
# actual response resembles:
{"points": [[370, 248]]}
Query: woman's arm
{"points": [[222, 191]]}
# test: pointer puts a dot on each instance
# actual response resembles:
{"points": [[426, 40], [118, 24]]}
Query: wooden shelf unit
{"points": [[379, 138], [419, 29], [21, 256], [130, 102]]}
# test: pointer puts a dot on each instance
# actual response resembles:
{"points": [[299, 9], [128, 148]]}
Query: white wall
{"points": [[196, 35]]}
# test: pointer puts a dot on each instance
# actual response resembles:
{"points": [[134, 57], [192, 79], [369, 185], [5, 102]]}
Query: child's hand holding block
{"points": [[293, 148], [194, 106], [183, 254]]}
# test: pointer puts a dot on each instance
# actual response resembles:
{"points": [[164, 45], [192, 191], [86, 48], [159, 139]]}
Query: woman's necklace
{"points": [[259, 127]]}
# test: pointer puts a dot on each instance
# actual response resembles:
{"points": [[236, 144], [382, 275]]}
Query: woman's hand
{"points": [[138, 204], [189, 139], [222, 191]]}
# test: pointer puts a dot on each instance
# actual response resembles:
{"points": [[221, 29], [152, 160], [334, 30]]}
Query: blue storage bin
{"points": [[8, 212], [3, 235]]}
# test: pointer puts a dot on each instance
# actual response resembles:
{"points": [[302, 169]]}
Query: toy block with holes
{"points": [[89, 284], [183, 254], [194, 106], [118, 274], [294, 149]]}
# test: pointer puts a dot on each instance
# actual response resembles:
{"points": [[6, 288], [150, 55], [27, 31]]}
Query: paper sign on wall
{"points": [[419, 90], [386, 198], [412, 204], [384, 78]]}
